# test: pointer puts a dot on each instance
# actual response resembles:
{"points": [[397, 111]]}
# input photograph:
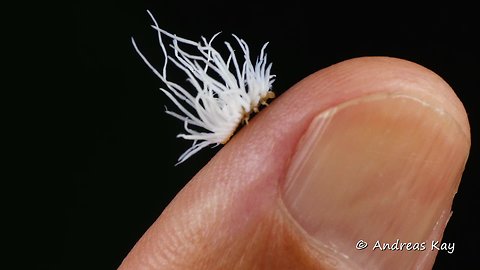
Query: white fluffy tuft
{"points": [[216, 106]]}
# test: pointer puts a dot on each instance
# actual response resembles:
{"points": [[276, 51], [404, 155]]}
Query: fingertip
{"points": [[237, 200]]}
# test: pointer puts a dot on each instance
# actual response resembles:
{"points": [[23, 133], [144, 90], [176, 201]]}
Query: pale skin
{"points": [[233, 213]]}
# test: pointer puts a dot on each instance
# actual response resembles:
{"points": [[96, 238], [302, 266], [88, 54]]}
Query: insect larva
{"points": [[225, 92]]}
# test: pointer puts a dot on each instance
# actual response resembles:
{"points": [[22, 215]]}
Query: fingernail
{"points": [[379, 168]]}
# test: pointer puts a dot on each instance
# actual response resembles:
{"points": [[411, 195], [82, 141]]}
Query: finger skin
{"points": [[231, 216]]}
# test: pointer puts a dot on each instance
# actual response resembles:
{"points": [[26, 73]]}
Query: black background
{"points": [[109, 162]]}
